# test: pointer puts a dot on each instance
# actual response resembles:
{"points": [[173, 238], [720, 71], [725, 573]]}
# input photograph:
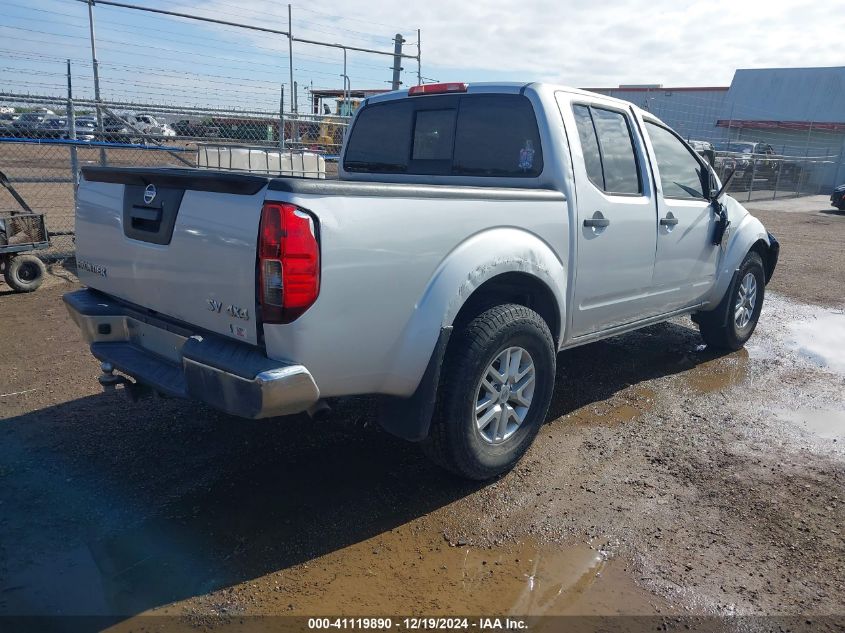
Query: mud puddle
{"points": [[821, 423], [718, 374], [404, 572], [630, 405], [820, 338]]}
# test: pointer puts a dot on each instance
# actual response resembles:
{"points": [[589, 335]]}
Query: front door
{"points": [[685, 265], [616, 217]]}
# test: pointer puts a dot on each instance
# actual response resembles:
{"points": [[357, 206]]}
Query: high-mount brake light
{"points": [[437, 89], [288, 262]]}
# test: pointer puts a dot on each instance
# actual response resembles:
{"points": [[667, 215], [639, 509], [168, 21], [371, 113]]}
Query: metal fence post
{"points": [[71, 124], [751, 181], [96, 66], [777, 179], [346, 95], [282, 118], [294, 128]]}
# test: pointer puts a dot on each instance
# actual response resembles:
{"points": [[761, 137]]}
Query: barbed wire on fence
{"points": [[229, 95]]}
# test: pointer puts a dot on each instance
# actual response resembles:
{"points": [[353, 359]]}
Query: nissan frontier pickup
{"points": [[474, 232]]}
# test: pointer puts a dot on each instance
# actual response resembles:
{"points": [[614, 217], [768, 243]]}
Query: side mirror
{"points": [[714, 196]]}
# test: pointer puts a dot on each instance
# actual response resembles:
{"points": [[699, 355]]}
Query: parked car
{"points": [[86, 129], [704, 149], [148, 124], [474, 232], [52, 127], [28, 123], [837, 198], [116, 130], [185, 127], [7, 120], [755, 161]]}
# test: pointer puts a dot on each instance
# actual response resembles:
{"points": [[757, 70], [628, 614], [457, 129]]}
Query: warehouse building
{"points": [[692, 112], [800, 112]]}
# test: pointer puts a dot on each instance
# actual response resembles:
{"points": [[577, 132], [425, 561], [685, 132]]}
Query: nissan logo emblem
{"points": [[149, 194]]}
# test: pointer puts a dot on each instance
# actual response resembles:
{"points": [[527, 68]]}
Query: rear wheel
{"points": [[494, 392], [732, 323], [24, 273]]}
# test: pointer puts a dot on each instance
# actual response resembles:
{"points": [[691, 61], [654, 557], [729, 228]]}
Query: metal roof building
{"points": [[691, 111], [799, 111]]}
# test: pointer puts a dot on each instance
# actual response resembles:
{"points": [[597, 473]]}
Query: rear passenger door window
{"points": [[589, 145], [608, 147]]}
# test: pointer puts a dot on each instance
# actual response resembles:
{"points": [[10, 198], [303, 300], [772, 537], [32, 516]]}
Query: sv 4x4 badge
{"points": [[234, 311]]}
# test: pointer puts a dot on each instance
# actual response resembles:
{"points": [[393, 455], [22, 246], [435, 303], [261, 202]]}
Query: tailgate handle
{"points": [[146, 219], [148, 215]]}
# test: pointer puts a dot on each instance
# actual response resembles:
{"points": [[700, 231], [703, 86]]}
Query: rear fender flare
{"points": [[476, 260]]}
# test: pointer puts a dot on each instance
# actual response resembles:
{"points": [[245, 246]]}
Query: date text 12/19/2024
{"points": [[419, 623]]}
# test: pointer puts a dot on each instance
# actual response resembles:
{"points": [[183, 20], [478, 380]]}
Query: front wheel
{"points": [[732, 323], [494, 393]]}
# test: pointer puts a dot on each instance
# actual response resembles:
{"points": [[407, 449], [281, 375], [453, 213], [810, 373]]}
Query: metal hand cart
{"points": [[20, 233]]}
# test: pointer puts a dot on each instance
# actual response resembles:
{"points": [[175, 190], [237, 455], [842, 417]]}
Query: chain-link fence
{"points": [[41, 155], [41, 158], [762, 176]]}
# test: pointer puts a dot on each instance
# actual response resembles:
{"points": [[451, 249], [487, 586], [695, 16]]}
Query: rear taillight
{"points": [[288, 262]]}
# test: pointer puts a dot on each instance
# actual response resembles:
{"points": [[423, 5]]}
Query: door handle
{"points": [[596, 223], [668, 221]]}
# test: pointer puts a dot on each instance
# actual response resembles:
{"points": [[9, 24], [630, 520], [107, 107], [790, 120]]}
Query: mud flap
{"points": [[410, 418]]}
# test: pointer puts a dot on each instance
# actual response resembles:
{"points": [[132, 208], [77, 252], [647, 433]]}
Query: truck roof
{"points": [[509, 87]]}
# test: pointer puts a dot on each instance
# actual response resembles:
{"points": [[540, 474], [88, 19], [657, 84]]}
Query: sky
{"points": [[165, 60]]}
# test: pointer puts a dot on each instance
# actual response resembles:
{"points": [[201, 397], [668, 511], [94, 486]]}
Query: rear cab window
{"points": [[487, 135]]}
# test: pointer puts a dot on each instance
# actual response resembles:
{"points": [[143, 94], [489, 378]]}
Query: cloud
{"points": [[576, 42]]}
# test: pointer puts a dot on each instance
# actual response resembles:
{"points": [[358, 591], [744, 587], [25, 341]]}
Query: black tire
{"points": [[24, 273], [719, 328], [454, 441]]}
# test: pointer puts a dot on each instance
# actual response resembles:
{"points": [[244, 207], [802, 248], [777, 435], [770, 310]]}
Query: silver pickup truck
{"points": [[474, 232]]}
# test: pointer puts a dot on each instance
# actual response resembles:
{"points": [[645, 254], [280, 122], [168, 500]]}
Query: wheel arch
{"points": [[502, 265], [769, 252], [746, 235], [500, 259], [513, 287]]}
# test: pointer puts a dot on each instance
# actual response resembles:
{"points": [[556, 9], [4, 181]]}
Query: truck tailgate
{"points": [[178, 242]]}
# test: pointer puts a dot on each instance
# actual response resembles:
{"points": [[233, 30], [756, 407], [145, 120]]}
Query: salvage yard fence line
{"points": [[44, 167], [43, 164]]}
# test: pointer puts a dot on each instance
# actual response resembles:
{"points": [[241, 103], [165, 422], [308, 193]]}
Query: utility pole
{"points": [[419, 60], [397, 61], [95, 64], [290, 60]]}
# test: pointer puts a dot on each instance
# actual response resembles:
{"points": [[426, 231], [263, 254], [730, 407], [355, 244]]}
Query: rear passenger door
{"points": [[615, 230], [685, 265]]}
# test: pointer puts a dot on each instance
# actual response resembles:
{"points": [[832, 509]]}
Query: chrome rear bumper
{"points": [[167, 357]]}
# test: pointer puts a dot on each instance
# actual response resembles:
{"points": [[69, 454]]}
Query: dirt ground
{"points": [[669, 482]]}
